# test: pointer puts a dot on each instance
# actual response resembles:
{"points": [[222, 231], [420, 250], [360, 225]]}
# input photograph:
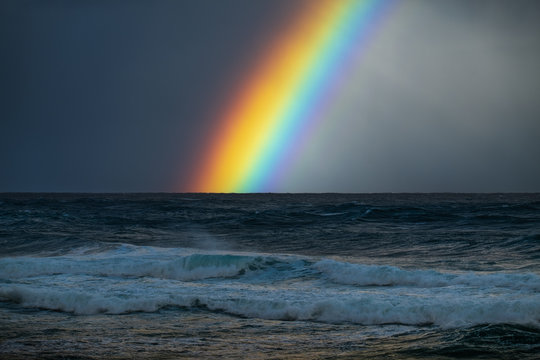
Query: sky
{"points": [[127, 96]]}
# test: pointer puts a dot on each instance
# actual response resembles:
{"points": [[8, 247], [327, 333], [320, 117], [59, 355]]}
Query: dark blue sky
{"points": [[114, 95], [111, 96]]}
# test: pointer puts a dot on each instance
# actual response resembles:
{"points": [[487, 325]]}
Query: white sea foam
{"points": [[384, 275], [371, 308], [122, 262], [129, 278]]}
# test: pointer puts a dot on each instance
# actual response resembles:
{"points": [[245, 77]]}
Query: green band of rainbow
{"points": [[284, 96]]}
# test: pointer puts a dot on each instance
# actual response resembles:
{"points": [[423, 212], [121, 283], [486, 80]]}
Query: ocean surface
{"points": [[296, 276]]}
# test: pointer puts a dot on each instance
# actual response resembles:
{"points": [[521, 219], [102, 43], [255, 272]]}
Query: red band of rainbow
{"points": [[260, 132]]}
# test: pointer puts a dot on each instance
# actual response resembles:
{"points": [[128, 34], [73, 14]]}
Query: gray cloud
{"points": [[445, 99]]}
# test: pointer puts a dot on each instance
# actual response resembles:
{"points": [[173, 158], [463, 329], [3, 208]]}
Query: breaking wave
{"points": [[135, 263], [367, 309], [384, 275], [129, 279]]}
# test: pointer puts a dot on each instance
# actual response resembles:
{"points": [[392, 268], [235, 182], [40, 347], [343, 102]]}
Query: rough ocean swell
{"points": [[130, 278], [415, 275]]}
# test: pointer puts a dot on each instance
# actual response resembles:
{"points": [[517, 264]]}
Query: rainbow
{"points": [[283, 98]]}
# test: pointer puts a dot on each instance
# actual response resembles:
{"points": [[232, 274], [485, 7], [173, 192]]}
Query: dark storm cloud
{"points": [[114, 95], [119, 95]]}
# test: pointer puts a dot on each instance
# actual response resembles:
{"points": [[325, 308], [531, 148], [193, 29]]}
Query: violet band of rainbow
{"points": [[284, 96]]}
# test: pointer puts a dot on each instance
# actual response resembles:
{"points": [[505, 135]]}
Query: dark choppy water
{"points": [[270, 276]]}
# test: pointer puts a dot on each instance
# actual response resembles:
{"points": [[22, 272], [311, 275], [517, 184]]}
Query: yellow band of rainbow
{"points": [[280, 98]]}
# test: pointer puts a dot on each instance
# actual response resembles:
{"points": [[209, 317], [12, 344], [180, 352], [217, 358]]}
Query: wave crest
{"points": [[385, 275], [369, 309], [186, 267]]}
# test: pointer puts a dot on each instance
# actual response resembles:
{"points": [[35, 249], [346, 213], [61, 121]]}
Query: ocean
{"points": [[262, 276]]}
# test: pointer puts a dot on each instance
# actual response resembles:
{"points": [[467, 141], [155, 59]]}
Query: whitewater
{"points": [[266, 275]]}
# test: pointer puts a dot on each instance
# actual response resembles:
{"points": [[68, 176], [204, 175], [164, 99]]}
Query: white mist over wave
{"points": [[131, 279]]}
